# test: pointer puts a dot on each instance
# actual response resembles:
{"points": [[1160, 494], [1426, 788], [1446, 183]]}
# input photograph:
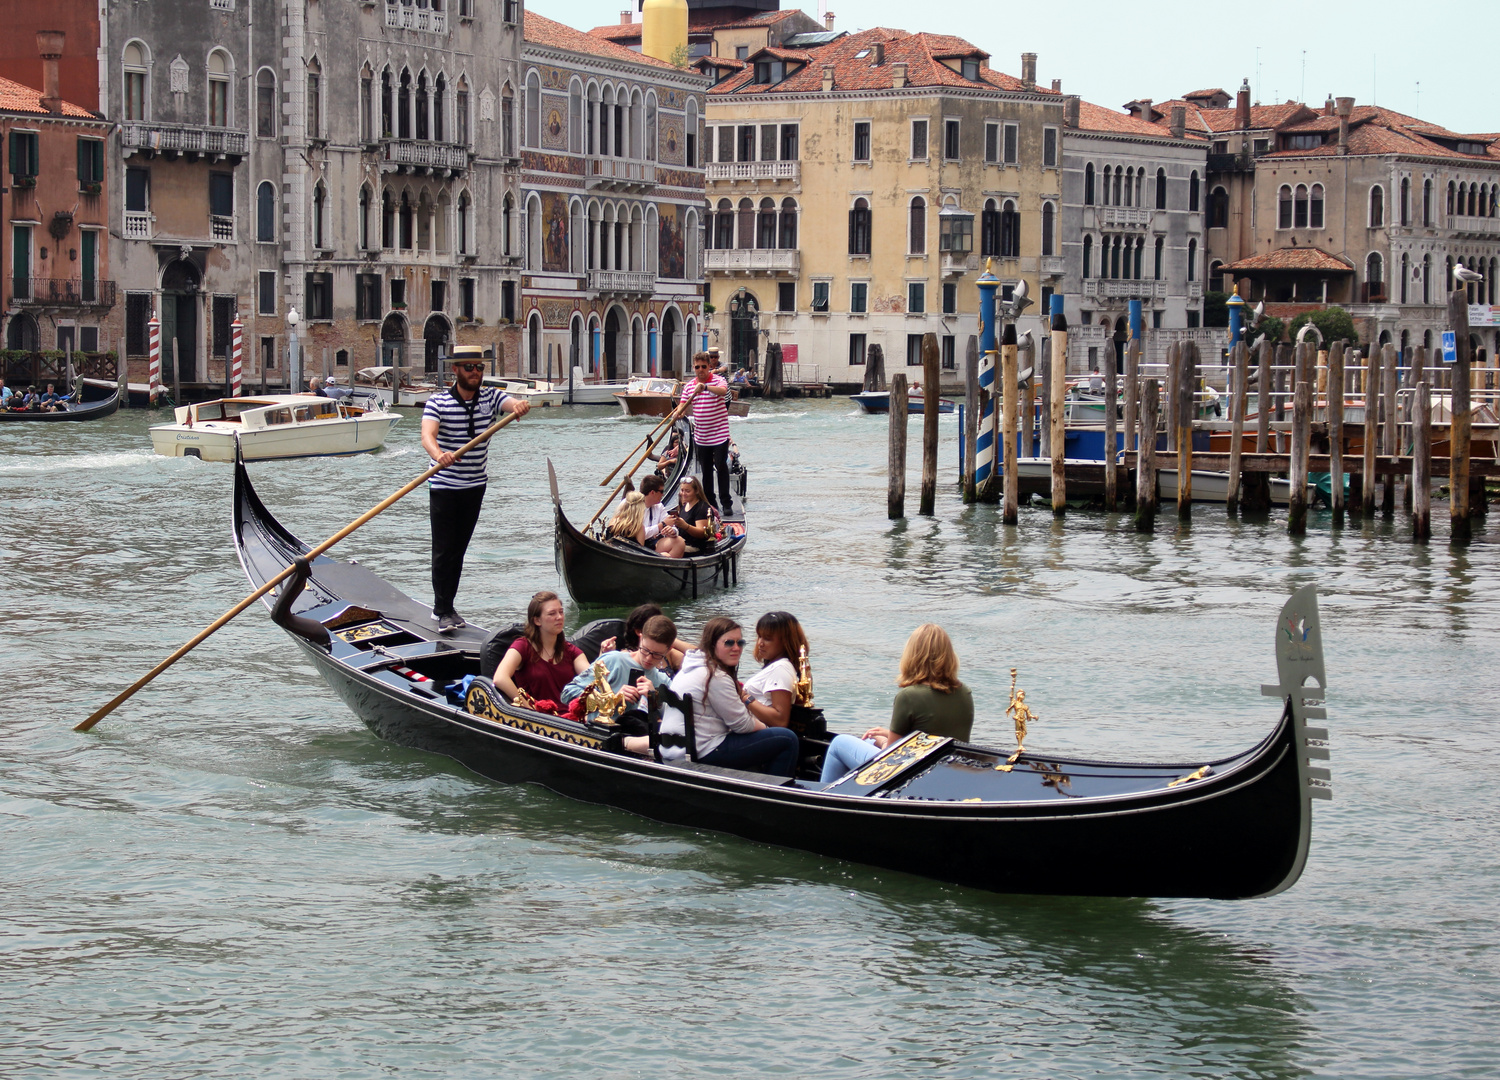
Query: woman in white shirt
{"points": [[779, 642]]}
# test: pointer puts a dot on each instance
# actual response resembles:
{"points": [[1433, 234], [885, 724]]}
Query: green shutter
{"points": [[15, 142]]}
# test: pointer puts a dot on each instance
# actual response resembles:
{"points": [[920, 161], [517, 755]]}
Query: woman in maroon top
{"points": [[541, 661]]}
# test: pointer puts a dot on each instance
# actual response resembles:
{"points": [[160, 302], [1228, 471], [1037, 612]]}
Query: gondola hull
{"points": [[97, 399], [1235, 828]]}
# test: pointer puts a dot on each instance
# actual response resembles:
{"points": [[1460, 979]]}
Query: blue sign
{"points": [[1450, 347]]}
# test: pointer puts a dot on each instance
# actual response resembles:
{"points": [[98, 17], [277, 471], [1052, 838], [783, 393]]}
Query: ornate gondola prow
{"points": [[552, 482], [1299, 667]]}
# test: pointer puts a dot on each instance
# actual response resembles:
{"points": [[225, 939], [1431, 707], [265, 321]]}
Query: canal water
{"points": [[231, 876]]}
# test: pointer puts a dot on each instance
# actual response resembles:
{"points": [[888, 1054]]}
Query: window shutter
{"points": [[85, 160], [15, 142]]}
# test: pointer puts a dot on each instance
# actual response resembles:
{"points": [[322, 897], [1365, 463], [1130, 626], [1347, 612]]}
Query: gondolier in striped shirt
{"points": [[708, 394], [451, 418]]}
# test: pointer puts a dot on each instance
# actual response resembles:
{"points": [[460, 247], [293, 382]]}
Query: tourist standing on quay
{"points": [[451, 418], [709, 395]]}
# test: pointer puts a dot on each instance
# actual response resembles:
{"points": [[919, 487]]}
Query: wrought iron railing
{"points": [[62, 292]]}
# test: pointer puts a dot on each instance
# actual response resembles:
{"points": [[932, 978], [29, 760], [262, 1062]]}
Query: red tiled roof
{"points": [[1295, 259], [921, 53], [725, 63], [699, 22], [1093, 117], [1212, 91], [1375, 131], [540, 30], [18, 97]]}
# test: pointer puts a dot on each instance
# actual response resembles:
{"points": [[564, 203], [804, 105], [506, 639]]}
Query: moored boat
{"points": [[391, 387], [648, 397], [90, 400], [273, 426], [541, 395], [879, 401]]}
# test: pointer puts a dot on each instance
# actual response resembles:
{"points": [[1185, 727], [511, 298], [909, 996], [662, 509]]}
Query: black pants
{"points": [[712, 460], [453, 513]]}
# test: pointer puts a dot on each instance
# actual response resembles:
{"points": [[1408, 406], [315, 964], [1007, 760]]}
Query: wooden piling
{"points": [[971, 417], [1009, 395], [1145, 472], [895, 498], [1335, 408], [1415, 374], [1044, 421], [1296, 522], [1263, 395], [1187, 381], [874, 368], [1174, 366], [1237, 424], [1059, 390], [1421, 463], [1458, 455], [1111, 457], [931, 376], [1372, 431], [1279, 376], [1388, 427], [1132, 402]]}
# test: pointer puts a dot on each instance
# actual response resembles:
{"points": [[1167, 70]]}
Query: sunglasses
{"points": [[732, 642], [469, 367]]}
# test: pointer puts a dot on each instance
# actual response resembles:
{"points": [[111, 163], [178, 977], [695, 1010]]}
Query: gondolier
{"points": [[708, 394], [451, 418]]}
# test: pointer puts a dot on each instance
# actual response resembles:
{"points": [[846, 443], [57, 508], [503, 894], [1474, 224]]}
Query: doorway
{"points": [[393, 341], [743, 320], [611, 343], [179, 318], [435, 340], [670, 345]]}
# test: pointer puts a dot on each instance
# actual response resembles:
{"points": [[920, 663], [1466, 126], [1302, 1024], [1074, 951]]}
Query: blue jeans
{"points": [[846, 753], [771, 750]]}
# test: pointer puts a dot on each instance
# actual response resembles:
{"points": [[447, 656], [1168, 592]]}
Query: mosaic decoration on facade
{"points": [[555, 232], [551, 163], [554, 122], [670, 149], [682, 178], [669, 229], [556, 313], [553, 78]]}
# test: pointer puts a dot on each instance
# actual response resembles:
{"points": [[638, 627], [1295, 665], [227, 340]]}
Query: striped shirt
{"points": [[457, 424], [710, 411]]}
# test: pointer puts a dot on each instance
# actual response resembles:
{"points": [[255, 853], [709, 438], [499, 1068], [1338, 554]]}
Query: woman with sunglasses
{"points": [[779, 641], [727, 735], [693, 517]]}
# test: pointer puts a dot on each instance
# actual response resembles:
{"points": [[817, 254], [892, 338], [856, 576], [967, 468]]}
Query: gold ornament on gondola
{"points": [[1022, 715], [802, 689], [602, 703], [523, 700]]}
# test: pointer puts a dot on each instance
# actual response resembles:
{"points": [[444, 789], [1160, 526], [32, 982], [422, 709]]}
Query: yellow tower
{"points": [[664, 29]]}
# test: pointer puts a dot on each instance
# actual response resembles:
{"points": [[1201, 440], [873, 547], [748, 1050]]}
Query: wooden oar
{"points": [[673, 415], [622, 483], [367, 516]]}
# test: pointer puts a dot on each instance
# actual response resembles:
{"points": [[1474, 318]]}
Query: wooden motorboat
{"points": [[274, 426], [648, 397], [879, 401], [600, 571], [90, 400], [392, 388], [541, 395], [1231, 828]]}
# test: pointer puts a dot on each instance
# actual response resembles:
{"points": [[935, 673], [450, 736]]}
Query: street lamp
{"points": [[294, 361]]}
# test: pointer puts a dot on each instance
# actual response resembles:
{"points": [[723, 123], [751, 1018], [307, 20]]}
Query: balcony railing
{"points": [[62, 292], [1485, 226], [756, 170], [619, 172], [406, 17], [1123, 215], [182, 138], [425, 155], [751, 260], [1125, 289], [622, 281], [1195, 290], [221, 227], [137, 225]]}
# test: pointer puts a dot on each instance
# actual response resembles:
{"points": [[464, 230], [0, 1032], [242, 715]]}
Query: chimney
{"points": [[1145, 110], [1242, 107], [1178, 123], [898, 75], [1070, 111], [50, 44], [1057, 86], [1344, 106], [626, 18], [828, 20], [827, 78], [1028, 70], [877, 54], [1328, 106]]}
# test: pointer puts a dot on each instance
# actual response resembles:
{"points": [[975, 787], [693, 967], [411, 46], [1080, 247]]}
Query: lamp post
{"points": [[294, 360]]}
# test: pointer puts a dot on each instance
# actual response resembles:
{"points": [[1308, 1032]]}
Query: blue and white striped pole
{"points": [[984, 445]]}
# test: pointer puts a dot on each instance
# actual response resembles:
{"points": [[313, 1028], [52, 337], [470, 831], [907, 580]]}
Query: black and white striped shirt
{"points": [[458, 422]]}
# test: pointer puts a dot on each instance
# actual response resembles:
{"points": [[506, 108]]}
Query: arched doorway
{"points": [[534, 343], [393, 341], [611, 344], [575, 348], [671, 346], [437, 335], [1122, 335], [22, 333], [744, 320], [179, 318]]}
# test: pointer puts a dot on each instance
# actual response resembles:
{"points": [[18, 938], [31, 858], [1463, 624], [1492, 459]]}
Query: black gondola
{"points": [[624, 574], [1234, 828], [96, 398]]}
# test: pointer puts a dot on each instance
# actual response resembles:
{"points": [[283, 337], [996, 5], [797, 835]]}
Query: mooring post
{"points": [[1145, 471], [1028, 403], [1296, 522], [1335, 401], [931, 400], [1458, 452], [985, 459], [1237, 424], [895, 497], [1132, 404], [1415, 374], [1187, 382], [971, 418], [1044, 406], [1174, 365], [1372, 432], [1009, 392], [1421, 463], [1059, 389], [1388, 428]]}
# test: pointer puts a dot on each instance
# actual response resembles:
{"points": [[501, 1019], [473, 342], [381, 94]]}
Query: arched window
{"points": [[1109, 194], [1374, 271], [1377, 206], [462, 225], [533, 229], [508, 225], [1405, 275], [314, 99], [765, 231], [859, 227], [1088, 184], [1193, 191], [403, 106], [136, 65], [1473, 200], [424, 222], [1426, 279], [1114, 256], [1427, 203], [1140, 254], [1192, 269], [1088, 256], [404, 222], [649, 132], [576, 117], [265, 212], [1161, 189], [916, 231], [1284, 207], [1315, 209], [1161, 247], [1140, 187], [1049, 216], [533, 129], [219, 73], [387, 220], [690, 237], [1129, 187], [1406, 200], [320, 196], [989, 229], [1490, 282], [1299, 207], [440, 109], [1218, 209], [423, 108], [1452, 199], [788, 238], [364, 217], [1010, 231], [724, 229], [265, 104]]}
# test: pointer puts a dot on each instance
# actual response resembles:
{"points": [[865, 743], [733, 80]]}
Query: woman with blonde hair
{"points": [[931, 699], [629, 522]]}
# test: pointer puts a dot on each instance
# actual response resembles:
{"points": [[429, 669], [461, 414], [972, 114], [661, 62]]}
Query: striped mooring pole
{"points": [[236, 342], [153, 331], [984, 442]]}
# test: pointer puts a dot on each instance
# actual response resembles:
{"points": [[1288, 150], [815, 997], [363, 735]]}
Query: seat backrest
{"points": [[683, 704], [589, 636], [494, 647]]}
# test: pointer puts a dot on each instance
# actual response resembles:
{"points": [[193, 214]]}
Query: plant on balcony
{"points": [[93, 187], [709, 309], [399, 305], [1334, 322], [23, 181]]}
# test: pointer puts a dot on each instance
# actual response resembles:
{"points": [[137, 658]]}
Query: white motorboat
{"points": [[540, 394], [272, 426], [392, 388]]}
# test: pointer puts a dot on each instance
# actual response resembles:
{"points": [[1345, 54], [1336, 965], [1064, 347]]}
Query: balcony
{"points": [[188, 140], [622, 282], [755, 170], [1124, 289], [62, 293], [1474, 226], [221, 228], [406, 17], [752, 260], [1054, 266], [1231, 163], [423, 157], [1195, 290], [137, 225], [618, 174], [958, 262], [1123, 216]]}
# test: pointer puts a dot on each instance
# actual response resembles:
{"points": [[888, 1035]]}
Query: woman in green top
{"points": [[931, 699]]}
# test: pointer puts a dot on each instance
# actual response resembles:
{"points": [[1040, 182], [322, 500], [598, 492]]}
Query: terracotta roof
{"points": [[18, 97], [1212, 91], [540, 30], [765, 18], [852, 59], [727, 63], [1093, 117], [1294, 259], [1376, 131], [699, 22]]}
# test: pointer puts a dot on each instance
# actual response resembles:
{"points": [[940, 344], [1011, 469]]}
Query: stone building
{"points": [[1132, 227], [856, 186], [331, 159], [57, 292], [612, 198]]}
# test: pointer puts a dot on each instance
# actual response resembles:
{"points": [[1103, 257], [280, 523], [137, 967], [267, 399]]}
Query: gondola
{"points": [[96, 398], [1234, 828], [624, 574]]}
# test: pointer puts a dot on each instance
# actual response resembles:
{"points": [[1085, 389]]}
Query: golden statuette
{"points": [[602, 703], [1022, 715], [523, 700], [802, 690]]}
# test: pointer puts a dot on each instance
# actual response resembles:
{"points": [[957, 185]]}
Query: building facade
{"points": [[612, 200], [856, 188]]}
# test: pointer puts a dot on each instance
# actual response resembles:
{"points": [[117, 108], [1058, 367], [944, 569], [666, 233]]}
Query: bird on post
{"points": [[1462, 275]]}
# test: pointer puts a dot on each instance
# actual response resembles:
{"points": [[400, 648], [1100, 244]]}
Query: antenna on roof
{"points": [[1418, 109], [1302, 96]]}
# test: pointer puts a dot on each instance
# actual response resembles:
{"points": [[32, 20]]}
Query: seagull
{"points": [[1258, 314], [1462, 275]]}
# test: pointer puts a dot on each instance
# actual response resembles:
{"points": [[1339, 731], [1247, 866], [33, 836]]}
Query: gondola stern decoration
{"points": [[1302, 682]]}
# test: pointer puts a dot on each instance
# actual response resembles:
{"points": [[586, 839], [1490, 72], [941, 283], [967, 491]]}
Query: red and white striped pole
{"points": [[153, 331], [236, 330]]}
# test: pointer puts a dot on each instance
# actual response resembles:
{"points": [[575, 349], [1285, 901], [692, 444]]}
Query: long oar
{"points": [[664, 421], [203, 634], [620, 486]]}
